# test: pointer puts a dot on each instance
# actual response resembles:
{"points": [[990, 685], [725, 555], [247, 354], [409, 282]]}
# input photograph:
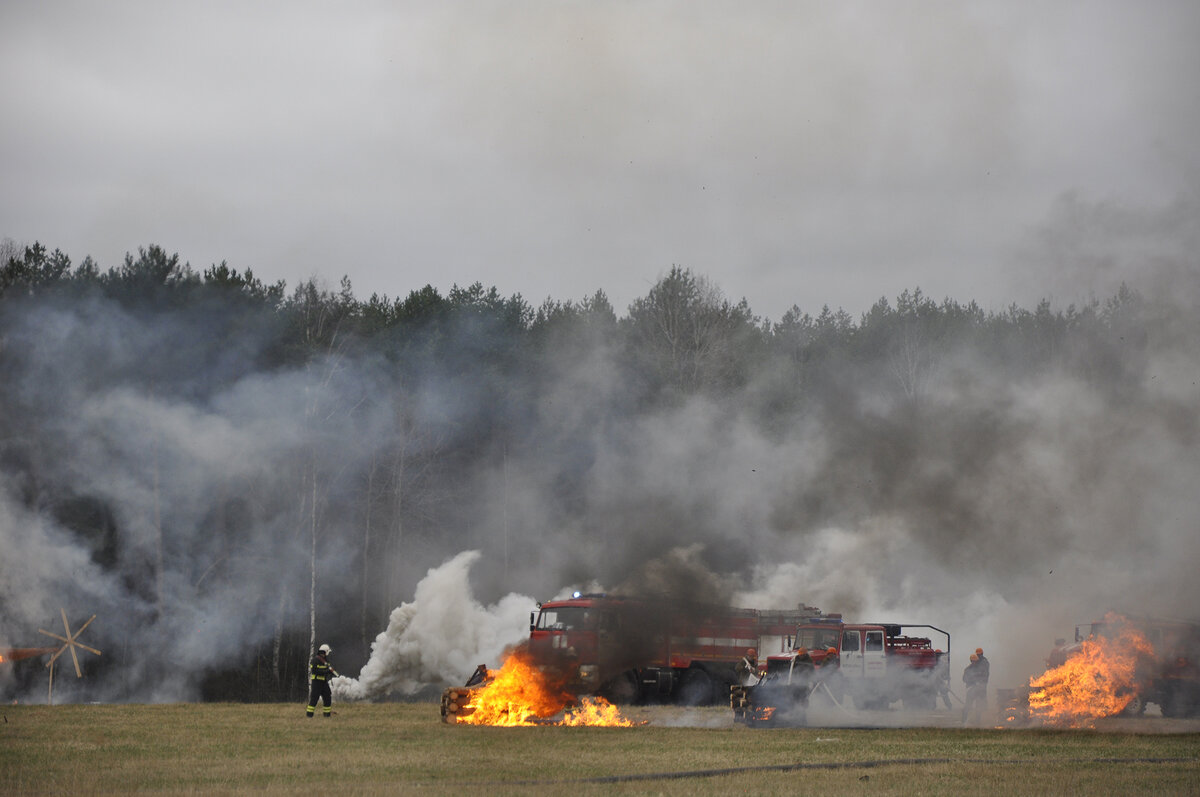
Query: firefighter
{"points": [[747, 668], [320, 672], [830, 665], [975, 678], [984, 664], [803, 670]]}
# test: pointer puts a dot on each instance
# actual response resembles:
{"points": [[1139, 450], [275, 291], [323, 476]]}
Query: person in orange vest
{"points": [[320, 672]]}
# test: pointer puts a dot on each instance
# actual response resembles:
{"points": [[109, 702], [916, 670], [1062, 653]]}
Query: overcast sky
{"points": [[793, 152]]}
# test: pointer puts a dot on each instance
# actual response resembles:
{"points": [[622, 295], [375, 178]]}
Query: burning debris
{"points": [[1116, 668], [1099, 680], [521, 694]]}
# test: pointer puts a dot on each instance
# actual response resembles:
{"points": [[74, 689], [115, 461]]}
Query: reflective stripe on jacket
{"points": [[320, 669]]}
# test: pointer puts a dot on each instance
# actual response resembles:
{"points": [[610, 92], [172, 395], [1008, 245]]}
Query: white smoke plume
{"points": [[439, 637]]}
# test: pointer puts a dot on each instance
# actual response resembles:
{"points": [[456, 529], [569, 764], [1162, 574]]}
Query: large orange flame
{"points": [[1099, 680], [520, 694]]}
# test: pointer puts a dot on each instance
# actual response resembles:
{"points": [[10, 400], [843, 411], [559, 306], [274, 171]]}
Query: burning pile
{"points": [[521, 694], [1099, 680]]}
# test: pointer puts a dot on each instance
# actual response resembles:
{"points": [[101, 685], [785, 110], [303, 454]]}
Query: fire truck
{"points": [[872, 665], [1170, 678], [638, 649]]}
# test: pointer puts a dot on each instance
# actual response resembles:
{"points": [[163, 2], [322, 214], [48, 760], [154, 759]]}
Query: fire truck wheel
{"points": [[919, 700], [1181, 701], [696, 688], [622, 690]]}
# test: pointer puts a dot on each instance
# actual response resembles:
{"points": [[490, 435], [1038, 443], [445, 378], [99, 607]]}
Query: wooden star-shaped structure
{"points": [[70, 641]]}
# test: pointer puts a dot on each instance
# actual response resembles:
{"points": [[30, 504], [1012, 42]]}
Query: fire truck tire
{"points": [[623, 690], [695, 688], [1181, 701], [920, 700]]}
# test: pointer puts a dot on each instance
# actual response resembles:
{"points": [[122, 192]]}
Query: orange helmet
{"points": [[801, 651], [832, 651], [978, 651]]}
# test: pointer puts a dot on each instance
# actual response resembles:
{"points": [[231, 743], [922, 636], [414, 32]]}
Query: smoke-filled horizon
{"points": [[155, 473]]}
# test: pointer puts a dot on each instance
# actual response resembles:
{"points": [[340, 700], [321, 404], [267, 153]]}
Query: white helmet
{"points": [[325, 649]]}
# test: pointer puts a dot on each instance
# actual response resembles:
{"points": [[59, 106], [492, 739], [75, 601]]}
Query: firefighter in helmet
{"points": [[984, 665], [975, 678], [320, 671], [747, 668]]}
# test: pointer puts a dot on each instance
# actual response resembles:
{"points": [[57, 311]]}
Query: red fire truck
{"points": [[633, 649], [872, 664]]}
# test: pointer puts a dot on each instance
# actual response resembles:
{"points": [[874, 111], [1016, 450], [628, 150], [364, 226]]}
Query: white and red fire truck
{"points": [[872, 665], [634, 649]]}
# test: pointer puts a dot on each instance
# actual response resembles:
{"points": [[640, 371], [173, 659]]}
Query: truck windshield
{"points": [[565, 618], [817, 638]]}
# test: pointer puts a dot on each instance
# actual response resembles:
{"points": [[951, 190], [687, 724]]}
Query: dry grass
{"points": [[404, 748]]}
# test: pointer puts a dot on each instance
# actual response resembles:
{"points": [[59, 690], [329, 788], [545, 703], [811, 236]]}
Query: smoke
{"points": [[1088, 248], [440, 636], [155, 472]]}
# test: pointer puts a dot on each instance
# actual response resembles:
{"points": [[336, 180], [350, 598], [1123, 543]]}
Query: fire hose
{"points": [[843, 709], [825, 765]]}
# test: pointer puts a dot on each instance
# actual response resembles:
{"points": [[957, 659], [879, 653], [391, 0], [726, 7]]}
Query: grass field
{"points": [[405, 748]]}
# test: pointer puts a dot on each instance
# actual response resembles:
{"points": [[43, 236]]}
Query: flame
{"points": [[521, 694], [596, 711], [1098, 681]]}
